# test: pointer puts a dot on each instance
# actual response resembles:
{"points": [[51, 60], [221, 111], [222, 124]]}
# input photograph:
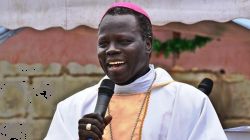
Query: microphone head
{"points": [[107, 87], [106, 91], [206, 86]]}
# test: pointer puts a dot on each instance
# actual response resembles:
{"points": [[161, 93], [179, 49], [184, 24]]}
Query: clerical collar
{"points": [[140, 85]]}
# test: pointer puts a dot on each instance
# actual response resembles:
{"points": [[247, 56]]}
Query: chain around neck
{"points": [[145, 103]]}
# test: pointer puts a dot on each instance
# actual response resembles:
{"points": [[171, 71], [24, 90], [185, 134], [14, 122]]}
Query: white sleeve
{"points": [[208, 126], [58, 130]]}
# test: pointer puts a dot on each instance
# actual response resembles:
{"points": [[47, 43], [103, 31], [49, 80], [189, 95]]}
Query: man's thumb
{"points": [[107, 120]]}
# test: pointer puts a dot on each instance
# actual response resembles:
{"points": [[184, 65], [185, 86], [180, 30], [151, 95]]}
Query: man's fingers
{"points": [[97, 126], [93, 122], [94, 116], [93, 129], [107, 120]]}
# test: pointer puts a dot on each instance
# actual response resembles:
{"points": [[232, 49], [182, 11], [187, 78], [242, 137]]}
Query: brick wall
{"points": [[29, 94]]}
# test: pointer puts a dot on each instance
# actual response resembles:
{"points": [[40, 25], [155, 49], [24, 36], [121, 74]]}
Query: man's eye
{"points": [[125, 42], [102, 44]]}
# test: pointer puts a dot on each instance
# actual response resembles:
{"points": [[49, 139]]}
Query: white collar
{"points": [[140, 85]]}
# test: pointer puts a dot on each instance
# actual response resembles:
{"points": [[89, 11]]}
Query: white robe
{"points": [[176, 111]]}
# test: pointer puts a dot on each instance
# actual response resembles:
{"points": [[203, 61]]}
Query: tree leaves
{"points": [[179, 45]]}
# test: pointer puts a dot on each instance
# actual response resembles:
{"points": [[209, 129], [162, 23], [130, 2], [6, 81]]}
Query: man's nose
{"points": [[112, 49]]}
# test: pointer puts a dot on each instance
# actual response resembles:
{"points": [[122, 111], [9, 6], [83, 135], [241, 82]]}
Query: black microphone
{"points": [[105, 92], [206, 86]]}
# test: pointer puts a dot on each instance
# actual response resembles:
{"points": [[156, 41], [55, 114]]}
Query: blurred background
{"points": [[48, 53]]}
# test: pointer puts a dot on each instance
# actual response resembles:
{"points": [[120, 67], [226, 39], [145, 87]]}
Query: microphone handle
{"points": [[102, 104]]}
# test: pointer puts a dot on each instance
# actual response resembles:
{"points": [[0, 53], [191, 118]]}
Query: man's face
{"points": [[122, 52]]}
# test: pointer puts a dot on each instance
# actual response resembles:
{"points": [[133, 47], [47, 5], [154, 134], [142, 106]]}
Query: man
{"points": [[147, 103]]}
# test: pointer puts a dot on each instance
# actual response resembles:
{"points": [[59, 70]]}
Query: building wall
{"points": [[224, 52]]}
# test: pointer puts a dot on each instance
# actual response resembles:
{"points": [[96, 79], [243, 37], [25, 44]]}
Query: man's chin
{"points": [[118, 80]]}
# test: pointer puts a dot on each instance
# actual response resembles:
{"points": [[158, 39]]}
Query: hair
{"points": [[144, 23]]}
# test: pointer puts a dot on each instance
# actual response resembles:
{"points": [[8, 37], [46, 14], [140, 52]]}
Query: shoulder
{"points": [[187, 90], [80, 97], [162, 76], [181, 92], [74, 107], [189, 97]]}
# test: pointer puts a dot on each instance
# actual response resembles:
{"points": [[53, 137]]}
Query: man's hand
{"points": [[97, 126]]}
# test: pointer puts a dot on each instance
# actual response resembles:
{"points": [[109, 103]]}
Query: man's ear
{"points": [[148, 46]]}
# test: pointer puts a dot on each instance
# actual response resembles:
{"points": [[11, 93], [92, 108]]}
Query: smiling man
{"points": [[147, 104], [122, 50]]}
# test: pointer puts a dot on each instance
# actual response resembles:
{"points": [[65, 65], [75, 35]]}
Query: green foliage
{"points": [[179, 45]]}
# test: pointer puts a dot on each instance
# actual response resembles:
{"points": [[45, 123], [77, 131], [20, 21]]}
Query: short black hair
{"points": [[144, 23]]}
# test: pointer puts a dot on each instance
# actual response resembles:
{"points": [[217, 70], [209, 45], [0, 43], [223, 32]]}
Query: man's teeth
{"points": [[115, 63]]}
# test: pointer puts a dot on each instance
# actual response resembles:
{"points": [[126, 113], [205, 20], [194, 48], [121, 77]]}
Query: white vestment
{"points": [[176, 111]]}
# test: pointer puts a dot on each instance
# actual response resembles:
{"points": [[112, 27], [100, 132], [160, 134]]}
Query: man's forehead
{"points": [[119, 21]]}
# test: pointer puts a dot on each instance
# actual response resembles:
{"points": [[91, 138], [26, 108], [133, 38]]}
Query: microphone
{"points": [[105, 92], [206, 86]]}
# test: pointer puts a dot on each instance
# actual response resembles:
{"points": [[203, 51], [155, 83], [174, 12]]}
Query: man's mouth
{"points": [[115, 64]]}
